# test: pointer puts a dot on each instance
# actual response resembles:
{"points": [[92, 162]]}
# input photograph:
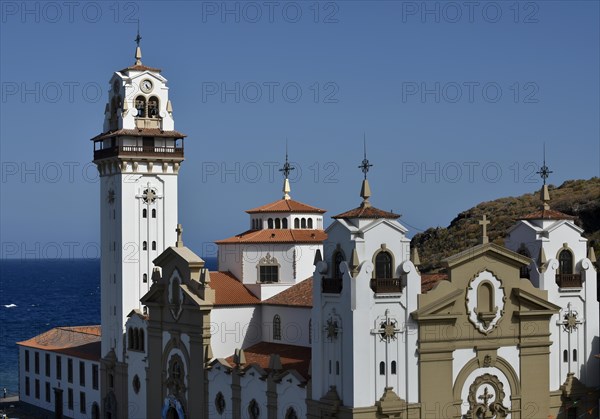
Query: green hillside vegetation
{"points": [[579, 198]]}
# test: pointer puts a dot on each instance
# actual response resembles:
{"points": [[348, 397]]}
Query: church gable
{"points": [[442, 301], [534, 301]]}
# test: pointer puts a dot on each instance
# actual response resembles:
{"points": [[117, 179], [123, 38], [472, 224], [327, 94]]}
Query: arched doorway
{"points": [[172, 409], [172, 413]]}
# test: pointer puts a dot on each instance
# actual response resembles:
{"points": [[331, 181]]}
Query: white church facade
{"points": [[303, 320]]}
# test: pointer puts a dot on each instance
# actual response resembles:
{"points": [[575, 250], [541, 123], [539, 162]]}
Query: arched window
{"points": [[277, 223], [296, 222], [277, 327], [135, 339], [565, 356], [574, 355], [145, 278], [253, 410], [383, 265], [338, 258], [382, 368], [393, 367], [485, 298], [153, 213], [144, 213], [130, 339], [141, 340], [310, 223], [153, 245], [337, 367], [565, 262], [140, 105], [270, 223], [303, 223], [153, 110], [524, 271], [145, 245], [284, 223], [330, 366], [291, 414]]}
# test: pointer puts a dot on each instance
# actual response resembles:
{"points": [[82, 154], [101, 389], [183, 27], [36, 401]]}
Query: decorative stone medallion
{"points": [[149, 195], [486, 398]]}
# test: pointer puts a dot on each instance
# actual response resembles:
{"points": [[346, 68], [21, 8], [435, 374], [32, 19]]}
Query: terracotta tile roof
{"points": [[367, 212], [78, 341], [229, 291], [140, 68], [139, 132], [286, 205], [277, 236], [299, 295], [292, 357], [428, 281], [547, 215]]}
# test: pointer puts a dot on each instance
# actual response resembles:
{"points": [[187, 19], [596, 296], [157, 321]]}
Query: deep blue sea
{"points": [[37, 295]]}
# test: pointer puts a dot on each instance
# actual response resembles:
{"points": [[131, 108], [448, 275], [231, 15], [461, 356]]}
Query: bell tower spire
{"points": [[286, 169], [544, 172], [365, 190], [138, 49]]}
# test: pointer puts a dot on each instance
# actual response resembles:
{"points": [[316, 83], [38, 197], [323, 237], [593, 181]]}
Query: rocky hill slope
{"points": [[580, 198]]}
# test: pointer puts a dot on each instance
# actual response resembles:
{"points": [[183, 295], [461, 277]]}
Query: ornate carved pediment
{"points": [[268, 260]]}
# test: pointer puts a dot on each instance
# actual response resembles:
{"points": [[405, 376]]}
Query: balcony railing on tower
{"points": [[568, 280], [135, 150], [386, 285]]}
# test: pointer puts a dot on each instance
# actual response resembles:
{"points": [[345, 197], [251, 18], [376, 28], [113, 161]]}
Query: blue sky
{"points": [[456, 100]]}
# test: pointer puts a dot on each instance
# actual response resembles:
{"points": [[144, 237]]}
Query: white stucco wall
{"points": [[219, 381], [294, 324], [136, 365], [234, 327], [91, 395]]}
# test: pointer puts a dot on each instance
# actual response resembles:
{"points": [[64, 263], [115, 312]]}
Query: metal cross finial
{"points": [[365, 165], [287, 167], [138, 38], [544, 171]]}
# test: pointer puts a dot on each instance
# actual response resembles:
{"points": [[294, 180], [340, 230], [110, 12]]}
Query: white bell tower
{"points": [[138, 156], [562, 263]]}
